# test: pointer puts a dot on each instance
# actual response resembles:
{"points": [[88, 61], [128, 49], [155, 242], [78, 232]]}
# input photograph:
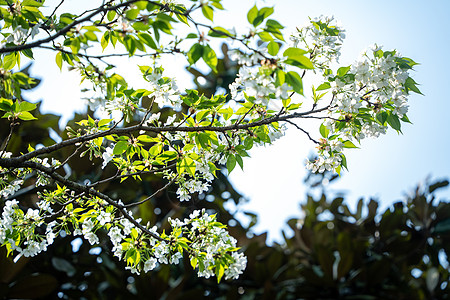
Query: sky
{"points": [[383, 168]]}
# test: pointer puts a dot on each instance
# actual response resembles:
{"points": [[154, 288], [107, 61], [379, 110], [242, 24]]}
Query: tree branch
{"points": [[88, 191], [66, 29], [12, 162], [152, 195]]}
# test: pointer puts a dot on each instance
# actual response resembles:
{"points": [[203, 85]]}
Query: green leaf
{"points": [[280, 77], [273, 48], [26, 106], [191, 36], [382, 117], [274, 24], [104, 122], [208, 12], [217, 4], [239, 161], [130, 44], [231, 163], [345, 263], [294, 80], [289, 52], [195, 53], [393, 121], [9, 61], [252, 14], [324, 86], [132, 14], [5, 104], [324, 131], [438, 185], [203, 139], [220, 270], [349, 144], [265, 12], [194, 262], [31, 3], [344, 161], [405, 119], [26, 116], [147, 39], [139, 26], [104, 40], [410, 84], [91, 36], [248, 143], [210, 57], [342, 71], [28, 53], [120, 147], [297, 58], [141, 4], [111, 15], [186, 165], [265, 36], [219, 32]]}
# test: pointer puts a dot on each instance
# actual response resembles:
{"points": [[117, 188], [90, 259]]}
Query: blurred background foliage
{"points": [[331, 252]]}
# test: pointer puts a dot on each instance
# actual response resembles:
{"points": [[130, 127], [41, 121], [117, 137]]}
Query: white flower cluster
{"points": [[259, 85], [43, 179], [19, 34], [247, 59], [118, 104], [17, 228], [209, 242], [324, 163], [11, 188], [378, 86], [164, 89], [373, 86], [323, 37]]}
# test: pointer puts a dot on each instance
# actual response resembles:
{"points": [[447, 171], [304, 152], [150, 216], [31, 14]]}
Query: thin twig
{"points": [[304, 131], [152, 195], [6, 142], [117, 176]]}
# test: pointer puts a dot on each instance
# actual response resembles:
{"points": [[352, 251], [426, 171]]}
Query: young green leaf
{"points": [[231, 163], [120, 147], [195, 53], [252, 14], [210, 58], [26, 116], [59, 60], [394, 122], [26, 106], [324, 131], [208, 12], [294, 80], [273, 48]]}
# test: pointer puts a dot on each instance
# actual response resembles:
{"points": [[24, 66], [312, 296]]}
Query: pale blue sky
{"points": [[385, 167], [390, 165]]}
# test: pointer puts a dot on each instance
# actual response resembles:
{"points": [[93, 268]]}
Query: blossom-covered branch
{"points": [[182, 136]]}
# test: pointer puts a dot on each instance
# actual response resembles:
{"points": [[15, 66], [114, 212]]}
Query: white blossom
{"points": [[107, 156], [150, 264]]}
